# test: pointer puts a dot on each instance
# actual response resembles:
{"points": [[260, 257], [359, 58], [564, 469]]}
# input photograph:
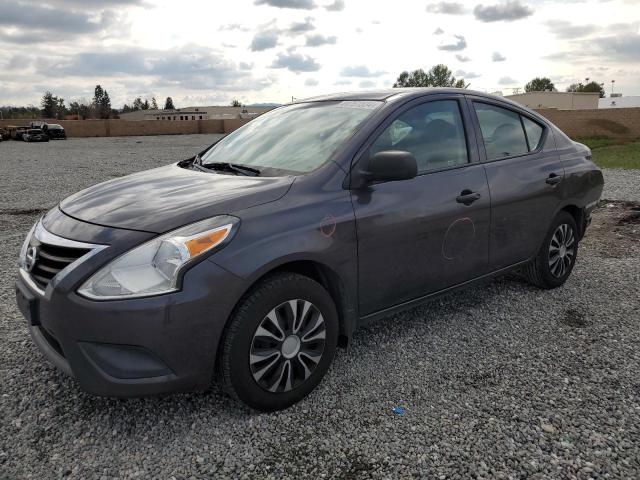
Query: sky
{"points": [[203, 52]]}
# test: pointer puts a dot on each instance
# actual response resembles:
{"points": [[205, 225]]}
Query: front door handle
{"points": [[553, 179], [467, 197]]}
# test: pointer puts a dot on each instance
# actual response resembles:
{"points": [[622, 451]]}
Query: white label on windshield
{"points": [[366, 105]]}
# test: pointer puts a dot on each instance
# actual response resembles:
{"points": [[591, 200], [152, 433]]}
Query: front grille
{"points": [[51, 259]]}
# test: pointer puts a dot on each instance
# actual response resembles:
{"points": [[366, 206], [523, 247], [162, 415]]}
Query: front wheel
{"points": [[279, 343], [557, 256]]}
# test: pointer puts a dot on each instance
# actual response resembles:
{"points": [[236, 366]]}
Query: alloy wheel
{"points": [[561, 250], [287, 346]]}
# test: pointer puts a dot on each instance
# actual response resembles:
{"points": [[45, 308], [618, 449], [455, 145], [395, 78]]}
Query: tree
{"points": [[101, 102], [49, 105], [29, 112], [137, 104], [438, 76], [81, 109], [52, 106], [154, 104], [540, 84], [236, 103], [105, 106], [589, 87], [98, 93], [168, 104], [61, 110]]}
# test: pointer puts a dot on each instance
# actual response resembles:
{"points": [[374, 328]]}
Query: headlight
{"points": [[154, 267]]}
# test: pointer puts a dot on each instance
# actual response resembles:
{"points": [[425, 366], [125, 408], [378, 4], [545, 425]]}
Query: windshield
{"points": [[295, 138]]}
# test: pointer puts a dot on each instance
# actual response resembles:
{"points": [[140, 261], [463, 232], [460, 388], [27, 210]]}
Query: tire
{"points": [[553, 264], [271, 358]]}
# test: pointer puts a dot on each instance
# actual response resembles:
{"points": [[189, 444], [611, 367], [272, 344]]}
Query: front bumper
{"points": [[132, 347]]}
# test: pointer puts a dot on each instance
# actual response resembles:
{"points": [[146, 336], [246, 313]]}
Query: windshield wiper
{"points": [[232, 167]]}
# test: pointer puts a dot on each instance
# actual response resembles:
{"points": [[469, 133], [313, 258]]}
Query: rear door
{"points": [[422, 235], [525, 178]]}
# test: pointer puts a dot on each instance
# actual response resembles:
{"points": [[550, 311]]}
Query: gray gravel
{"points": [[500, 381], [620, 184]]}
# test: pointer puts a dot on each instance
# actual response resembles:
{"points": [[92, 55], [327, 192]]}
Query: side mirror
{"points": [[390, 166]]}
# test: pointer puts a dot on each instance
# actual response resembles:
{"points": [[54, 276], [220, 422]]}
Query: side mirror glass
{"points": [[391, 165]]}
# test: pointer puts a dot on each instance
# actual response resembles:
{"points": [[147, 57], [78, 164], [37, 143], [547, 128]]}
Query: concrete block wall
{"points": [[233, 123], [123, 128], [609, 122]]}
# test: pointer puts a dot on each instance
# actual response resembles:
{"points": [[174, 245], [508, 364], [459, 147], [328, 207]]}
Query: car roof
{"points": [[389, 93]]}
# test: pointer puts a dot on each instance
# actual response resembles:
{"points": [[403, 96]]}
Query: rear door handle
{"points": [[467, 197], [553, 179]]}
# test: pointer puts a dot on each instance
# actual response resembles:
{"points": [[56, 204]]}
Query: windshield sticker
{"points": [[358, 104]]}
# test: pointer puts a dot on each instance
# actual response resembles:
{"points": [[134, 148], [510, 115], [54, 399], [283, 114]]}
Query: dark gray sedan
{"points": [[253, 260]]}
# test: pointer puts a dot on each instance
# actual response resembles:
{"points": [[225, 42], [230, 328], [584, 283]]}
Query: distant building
{"points": [[618, 101], [176, 115], [215, 112], [558, 100]]}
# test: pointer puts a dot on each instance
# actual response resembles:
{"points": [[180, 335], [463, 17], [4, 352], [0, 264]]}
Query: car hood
{"points": [[168, 197]]}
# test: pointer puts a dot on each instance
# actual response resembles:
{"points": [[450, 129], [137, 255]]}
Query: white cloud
{"points": [[259, 52], [360, 71], [448, 8], [467, 75], [498, 57], [506, 80], [336, 6], [454, 44], [295, 4], [367, 84], [296, 62], [264, 40], [508, 11], [318, 40]]}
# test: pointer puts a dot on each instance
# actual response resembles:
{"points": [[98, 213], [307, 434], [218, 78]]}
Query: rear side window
{"points": [[433, 132], [502, 131], [534, 133]]}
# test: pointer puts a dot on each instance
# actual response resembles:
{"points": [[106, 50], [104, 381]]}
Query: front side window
{"points": [[292, 139], [502, 131], [433, 132]]}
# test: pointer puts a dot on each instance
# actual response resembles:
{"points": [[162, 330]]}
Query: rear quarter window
{"points": [[534, 133]]}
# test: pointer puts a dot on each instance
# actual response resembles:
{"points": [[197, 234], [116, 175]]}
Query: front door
{"points": [[422, 235]]}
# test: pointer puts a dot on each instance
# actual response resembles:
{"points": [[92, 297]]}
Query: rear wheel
{"points": [[279, 343], [557, 256]]}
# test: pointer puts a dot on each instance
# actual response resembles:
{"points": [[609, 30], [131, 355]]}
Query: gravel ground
{"points": [[500, 381], [620, 184]]}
